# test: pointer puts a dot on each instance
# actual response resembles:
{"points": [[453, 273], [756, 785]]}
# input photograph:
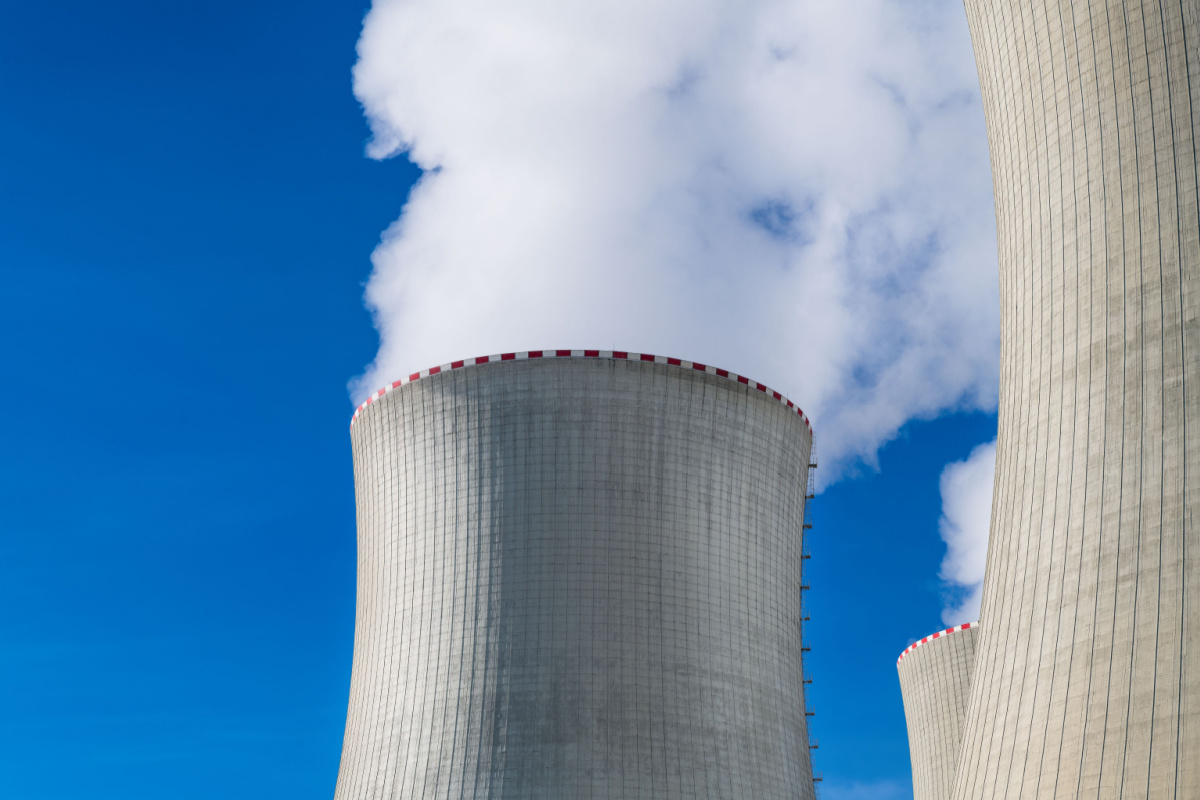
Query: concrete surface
{"points": [[578, 578], [935, 681], [1088, 681]]}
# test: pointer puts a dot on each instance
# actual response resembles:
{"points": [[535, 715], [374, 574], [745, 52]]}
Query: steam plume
{"points": [[966, 519], [798, 191]]}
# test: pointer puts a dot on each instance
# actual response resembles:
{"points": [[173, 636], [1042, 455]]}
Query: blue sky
{"points": [[187, 220]]}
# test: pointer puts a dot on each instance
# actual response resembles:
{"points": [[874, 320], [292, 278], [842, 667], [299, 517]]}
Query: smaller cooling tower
{"points": [[935, 679], [579, 576]]}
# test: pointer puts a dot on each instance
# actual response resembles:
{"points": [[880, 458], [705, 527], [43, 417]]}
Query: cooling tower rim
{"points": [[620, 355], [966, 626]]}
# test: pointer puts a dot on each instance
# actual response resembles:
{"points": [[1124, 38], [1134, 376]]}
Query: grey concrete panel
{"points": [[578, 578], [1088, 680], [935, 681]]}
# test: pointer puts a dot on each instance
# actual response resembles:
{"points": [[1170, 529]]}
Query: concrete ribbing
{"points": [[578, 578], [1088, 681], [935, 680]]}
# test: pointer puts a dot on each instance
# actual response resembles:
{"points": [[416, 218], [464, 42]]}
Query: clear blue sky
{"points": [[186, 220]]}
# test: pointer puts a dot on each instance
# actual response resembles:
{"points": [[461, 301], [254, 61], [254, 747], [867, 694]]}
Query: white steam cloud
{"points": [[798, 191], [966, 517]]}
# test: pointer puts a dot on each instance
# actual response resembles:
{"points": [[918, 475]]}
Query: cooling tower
{"points": [[579, 576], [1088, 679], [935, 679]]}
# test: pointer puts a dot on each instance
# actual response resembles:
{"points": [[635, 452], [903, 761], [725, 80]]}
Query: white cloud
{"points": [[966, 518], [798, 191]]}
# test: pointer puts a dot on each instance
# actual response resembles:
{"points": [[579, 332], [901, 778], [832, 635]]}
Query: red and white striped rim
{"points": [[618, 354], [966, 626]]}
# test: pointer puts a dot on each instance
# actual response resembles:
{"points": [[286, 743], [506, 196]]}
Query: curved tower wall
{"points": [[935, 680], [578, 577], [1088, 682]]}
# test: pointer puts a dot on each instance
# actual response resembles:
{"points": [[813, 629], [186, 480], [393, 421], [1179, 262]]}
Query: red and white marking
{"points": [[966, 626], [619, 354]]}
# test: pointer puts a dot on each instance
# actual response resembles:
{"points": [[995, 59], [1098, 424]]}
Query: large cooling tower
{"points": [[1088, 680], [935, 679], [579, 576]]}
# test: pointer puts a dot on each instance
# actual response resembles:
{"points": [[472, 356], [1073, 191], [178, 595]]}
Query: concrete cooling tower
{"points": [[935, 679], [1088, 675], [579, 576]]}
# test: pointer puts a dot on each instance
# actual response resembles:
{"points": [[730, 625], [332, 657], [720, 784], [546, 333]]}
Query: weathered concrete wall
{"points": [[1088, 682], [935, 680], [578, 577]]}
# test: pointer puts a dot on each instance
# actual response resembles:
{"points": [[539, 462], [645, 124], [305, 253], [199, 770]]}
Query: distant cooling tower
{"points": [[579, 576], [935, 679], [1088, 680]]}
